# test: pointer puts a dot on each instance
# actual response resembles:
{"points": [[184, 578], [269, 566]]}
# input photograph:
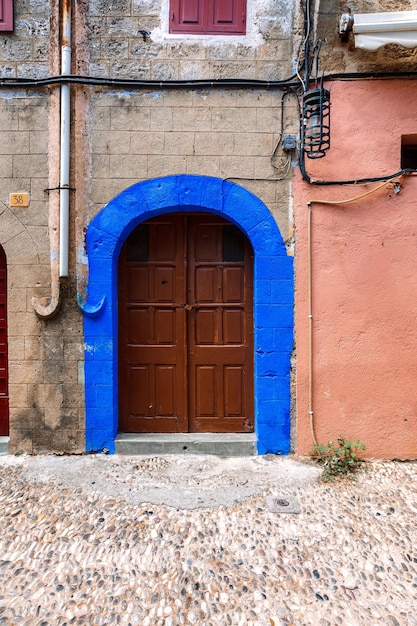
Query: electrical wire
{"points": [[355, 198], [370, 75], [286, 166], [97, 81], [350, 181], [304, 46], [293, 81], [291, 84], [307, 22]]}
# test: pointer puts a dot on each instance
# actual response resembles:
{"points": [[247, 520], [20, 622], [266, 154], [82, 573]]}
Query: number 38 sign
{"points": [[19, 199]]}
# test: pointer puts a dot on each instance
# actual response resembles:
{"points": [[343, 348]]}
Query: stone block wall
{"points": [[25, 52], [45, 409], [119, 137], [45, 376], [24, 237], [130, 39], [228, 134], [232, 134]]}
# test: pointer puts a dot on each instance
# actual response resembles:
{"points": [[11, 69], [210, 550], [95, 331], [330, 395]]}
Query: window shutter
{"points": [[208, 17], [6, 15], [228, 16], [187, 16]]}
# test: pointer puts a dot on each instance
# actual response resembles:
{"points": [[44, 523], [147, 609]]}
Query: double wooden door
{"points": [[185, 327], [4, 393]]}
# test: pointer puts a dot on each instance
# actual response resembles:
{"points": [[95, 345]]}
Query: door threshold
{"points": [[218, 444]]}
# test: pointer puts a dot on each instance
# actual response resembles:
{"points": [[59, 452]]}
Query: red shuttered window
{"points": [[6, 15], [208, 17]]}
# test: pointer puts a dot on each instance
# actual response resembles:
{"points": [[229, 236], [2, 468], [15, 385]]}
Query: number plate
{"points": [[19, 199]]}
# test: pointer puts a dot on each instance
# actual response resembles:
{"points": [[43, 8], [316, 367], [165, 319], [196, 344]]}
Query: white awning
{"points": [[373, 30]]}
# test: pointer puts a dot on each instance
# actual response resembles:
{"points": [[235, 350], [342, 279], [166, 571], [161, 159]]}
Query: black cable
{"points": [[292, 82], [367, 75], [352, 181], [150, 84]]}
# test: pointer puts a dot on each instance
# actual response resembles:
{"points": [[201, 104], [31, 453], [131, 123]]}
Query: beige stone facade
{"points": [[229, 134], [43, 365], [120, 136], [126, 132]]}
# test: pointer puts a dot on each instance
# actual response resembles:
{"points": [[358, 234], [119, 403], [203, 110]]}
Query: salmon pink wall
{"points": [[364, 277]]}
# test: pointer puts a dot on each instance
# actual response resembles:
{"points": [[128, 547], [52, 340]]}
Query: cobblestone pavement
{"points": [[82, 546]]}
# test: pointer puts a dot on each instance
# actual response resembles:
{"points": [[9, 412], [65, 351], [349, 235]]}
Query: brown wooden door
{"points": [[4, 393], [185, 327]]}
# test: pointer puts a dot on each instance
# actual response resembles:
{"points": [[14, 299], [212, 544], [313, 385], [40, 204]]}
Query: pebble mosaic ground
{"points": [[91, 552]]}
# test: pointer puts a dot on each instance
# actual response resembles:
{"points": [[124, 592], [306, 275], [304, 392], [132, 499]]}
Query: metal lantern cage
{"points": [[316, 122]]}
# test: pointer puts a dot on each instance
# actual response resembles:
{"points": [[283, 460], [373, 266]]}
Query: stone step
{"points": [[4, 445], [218, 444]]}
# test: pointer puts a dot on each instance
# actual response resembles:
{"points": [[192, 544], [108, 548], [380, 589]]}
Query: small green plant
{"points": [[339, 461]]}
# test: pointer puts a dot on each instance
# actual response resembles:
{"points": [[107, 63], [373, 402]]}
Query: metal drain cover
{"points": [[283, 504]]}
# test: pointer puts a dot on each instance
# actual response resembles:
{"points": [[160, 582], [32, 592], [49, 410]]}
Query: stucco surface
{"points": [[364, 278]]}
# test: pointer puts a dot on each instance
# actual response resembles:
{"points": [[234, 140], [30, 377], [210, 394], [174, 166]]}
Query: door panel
{"points": [[233, 324], [233, 385], [205, 283], [220, 330], [152, 329], [205, 324], [186, 336], [233, 284], [206, 390]]}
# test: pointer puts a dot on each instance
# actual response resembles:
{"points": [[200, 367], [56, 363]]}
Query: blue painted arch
{"points": [[273, 299]]}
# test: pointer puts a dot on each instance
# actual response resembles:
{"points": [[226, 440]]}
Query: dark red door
{"points": [[4, 393], [186, 327]]}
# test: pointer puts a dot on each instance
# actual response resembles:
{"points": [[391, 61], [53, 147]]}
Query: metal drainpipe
{"points": [[65, 141]]}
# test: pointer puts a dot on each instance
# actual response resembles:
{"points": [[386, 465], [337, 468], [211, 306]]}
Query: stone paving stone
{"points": [[76, 555]]}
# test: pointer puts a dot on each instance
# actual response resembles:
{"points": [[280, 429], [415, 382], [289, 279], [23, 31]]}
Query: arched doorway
{"points": [[272, 299], [4, 392], [186, 326]]}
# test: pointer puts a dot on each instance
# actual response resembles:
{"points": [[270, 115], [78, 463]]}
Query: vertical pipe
{"points": [[65, 141], [47, 307], [310, 325]]}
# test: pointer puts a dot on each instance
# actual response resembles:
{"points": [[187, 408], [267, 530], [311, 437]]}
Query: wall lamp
{"points": [[316, 122], [374, 30]]}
